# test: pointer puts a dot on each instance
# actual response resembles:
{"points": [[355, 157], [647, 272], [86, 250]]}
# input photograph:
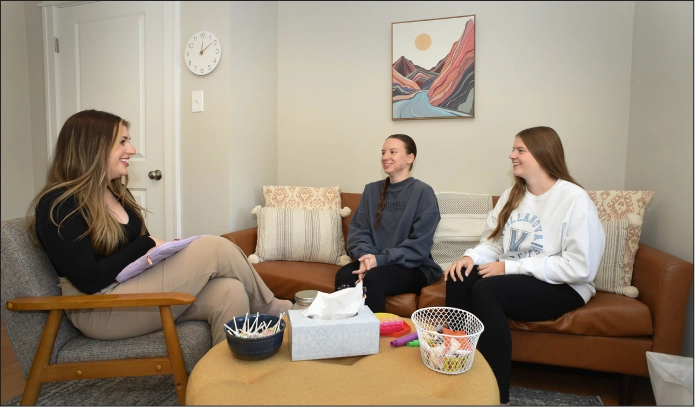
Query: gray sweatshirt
{"points": [[407, 226]]}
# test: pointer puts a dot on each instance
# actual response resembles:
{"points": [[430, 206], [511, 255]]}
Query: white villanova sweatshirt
{"points": [[555, 237]]}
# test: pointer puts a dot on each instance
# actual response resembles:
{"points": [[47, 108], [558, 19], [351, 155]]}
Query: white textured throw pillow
{"points": [[300, 235], [464, 217], [611, 277]]}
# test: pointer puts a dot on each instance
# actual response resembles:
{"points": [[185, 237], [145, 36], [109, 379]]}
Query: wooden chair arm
{"points": [[98, 301]]}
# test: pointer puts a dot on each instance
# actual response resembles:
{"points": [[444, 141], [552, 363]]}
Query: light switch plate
{"points": [[197, 101]]}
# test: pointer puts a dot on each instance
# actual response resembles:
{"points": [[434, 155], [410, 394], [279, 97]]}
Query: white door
{"points": [[112, 56]]}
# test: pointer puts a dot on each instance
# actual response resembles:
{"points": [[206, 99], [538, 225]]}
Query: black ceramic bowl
{"points": [[255, 348]]}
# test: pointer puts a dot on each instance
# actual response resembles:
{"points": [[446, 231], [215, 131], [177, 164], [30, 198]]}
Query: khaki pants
{"points": [[212, 268]]}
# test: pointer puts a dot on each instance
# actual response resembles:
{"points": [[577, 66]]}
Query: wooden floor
{"points": [[529, 375]]}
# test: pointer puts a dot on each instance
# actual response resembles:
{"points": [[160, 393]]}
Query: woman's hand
{"points": [[465, 263], [367, 262], [495, 268], [157, 242]]}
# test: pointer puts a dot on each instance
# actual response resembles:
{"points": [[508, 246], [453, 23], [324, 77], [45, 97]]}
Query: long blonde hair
{"points": [[545, 146], [80, 166]]}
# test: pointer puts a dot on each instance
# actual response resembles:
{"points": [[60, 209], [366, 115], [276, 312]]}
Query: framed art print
{"points": [[433, 68]]}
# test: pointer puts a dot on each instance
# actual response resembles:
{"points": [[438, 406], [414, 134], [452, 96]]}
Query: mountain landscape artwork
{"points": [[433, 68]]}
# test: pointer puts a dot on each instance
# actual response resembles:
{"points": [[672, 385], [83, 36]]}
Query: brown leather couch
{"points": [[610, 334]]}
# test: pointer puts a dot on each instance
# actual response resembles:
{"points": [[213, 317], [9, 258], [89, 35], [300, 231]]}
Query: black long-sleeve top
{"points": [[76, 259]]}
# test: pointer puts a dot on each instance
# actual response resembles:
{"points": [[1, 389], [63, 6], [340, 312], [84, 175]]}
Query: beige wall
{"points": [[253, 107], [660, 143], [561, 64], [229, 150], [17, 170], [204, 136]]}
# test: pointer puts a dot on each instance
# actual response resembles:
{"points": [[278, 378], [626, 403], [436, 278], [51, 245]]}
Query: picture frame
{"points": [[433, 68]]}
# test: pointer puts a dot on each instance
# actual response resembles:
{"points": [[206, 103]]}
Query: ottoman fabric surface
{"points": [[395, 376]]}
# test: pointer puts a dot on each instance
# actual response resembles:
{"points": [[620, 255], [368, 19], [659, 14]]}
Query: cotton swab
{"points": [[255, 329]]}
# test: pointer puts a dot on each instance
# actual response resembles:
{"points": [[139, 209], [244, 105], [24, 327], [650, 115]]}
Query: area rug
{"points": [[159, 391]]}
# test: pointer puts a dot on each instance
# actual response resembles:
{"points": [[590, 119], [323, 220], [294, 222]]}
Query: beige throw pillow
{"points": [[464, 217], [615, 206], [300, 235], [301, 197], [611, 276]]}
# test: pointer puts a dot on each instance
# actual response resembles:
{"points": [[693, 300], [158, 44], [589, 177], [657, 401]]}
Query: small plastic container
{"points": [[303, 299], [391, 325]]}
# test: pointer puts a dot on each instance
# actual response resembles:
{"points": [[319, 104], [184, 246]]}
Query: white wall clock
{"points": [[202, 53]]}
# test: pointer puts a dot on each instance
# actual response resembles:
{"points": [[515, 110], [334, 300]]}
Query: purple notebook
{"points": [[150, 259]]}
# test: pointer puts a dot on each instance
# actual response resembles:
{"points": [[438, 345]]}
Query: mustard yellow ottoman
{"points": [[395, 376]]}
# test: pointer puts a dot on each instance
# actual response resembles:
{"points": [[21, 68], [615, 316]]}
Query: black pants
{"points": [[381, 282], [515, 296]]}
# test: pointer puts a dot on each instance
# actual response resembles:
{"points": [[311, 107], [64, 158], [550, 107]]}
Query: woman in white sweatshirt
{"points": [[538, 255]]}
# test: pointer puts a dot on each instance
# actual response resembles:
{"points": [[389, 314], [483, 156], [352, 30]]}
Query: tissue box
{"points": [[323, 339]]}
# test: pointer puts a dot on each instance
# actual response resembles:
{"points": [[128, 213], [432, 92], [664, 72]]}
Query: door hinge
{"points": [[56, 45]]}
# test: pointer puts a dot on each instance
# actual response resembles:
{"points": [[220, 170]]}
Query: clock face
{"points": [[202, 53]]}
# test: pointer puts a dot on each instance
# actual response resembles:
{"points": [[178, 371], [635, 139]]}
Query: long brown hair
{"points": [[546, 147], [410, 148], [80, 166]]}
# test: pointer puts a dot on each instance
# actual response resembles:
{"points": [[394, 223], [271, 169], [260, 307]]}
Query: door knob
{"points": [[156, 175]]}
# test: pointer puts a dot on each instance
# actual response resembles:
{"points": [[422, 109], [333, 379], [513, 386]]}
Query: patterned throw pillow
{"points": [[300, 235], [615, 206], [464, 217], [301, 197]]}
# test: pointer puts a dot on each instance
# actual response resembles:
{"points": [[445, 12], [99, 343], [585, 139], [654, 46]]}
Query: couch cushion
{"points": [[287, 278], [434, 295], [402, 305], [605, 314]]}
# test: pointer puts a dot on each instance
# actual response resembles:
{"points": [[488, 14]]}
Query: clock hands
{"points": [[203, 50]]}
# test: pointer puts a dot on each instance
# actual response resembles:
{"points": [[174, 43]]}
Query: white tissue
{"points": [[338, 305]]}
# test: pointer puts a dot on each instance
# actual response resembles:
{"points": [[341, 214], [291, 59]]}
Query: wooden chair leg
{"points": [[42, 359], [178, 367], [626, 386]]}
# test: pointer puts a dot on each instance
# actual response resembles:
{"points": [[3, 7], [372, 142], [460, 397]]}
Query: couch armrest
{"points": [[663, 281], [246, 239]]}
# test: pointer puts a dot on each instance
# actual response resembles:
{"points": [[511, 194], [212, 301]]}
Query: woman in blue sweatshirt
{"points": [[391, 233]]}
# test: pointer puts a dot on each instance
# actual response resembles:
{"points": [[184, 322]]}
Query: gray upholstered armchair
{"points": [[49, 348]]}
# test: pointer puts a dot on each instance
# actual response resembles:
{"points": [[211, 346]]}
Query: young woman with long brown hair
{"points": [[538, 255], [392, 231], [91, 228]]}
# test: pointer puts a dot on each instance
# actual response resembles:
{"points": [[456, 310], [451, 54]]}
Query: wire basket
{"points": [[448, 337]]}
